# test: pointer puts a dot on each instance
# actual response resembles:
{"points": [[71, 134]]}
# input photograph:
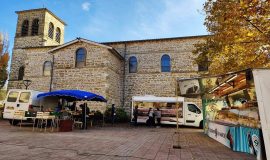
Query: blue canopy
{"points": [[74, 95]]}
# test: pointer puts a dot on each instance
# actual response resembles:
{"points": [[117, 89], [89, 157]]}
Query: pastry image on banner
{"points": [[189, 87]]}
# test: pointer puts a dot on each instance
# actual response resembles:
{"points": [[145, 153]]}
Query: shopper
{"points": [[158, 117], [113, 114], [151, 120], [135, 115]]}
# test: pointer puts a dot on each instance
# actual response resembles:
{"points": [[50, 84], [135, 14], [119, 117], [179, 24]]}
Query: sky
{"points": [[114, 20]]}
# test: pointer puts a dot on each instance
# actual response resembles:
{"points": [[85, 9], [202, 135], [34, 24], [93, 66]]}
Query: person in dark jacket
{"points": [[84, 115], [135, 115], [158, 117], [151, 118], [113, 114]]}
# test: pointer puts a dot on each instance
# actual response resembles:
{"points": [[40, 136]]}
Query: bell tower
{"points": [[38, 27], [39, 30]]}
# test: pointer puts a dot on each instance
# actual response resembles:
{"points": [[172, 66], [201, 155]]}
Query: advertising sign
{"points": [[221, 133], [249, 141], [189, 88]]}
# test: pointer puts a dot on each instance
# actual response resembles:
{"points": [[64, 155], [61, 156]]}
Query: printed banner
{"points": [[221, 133], [248, 141]]}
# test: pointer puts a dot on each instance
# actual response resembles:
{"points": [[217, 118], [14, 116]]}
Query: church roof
{"points": [[156, 39], [89, 42]]}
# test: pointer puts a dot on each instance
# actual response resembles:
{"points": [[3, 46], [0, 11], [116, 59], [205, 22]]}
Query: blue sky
{"points": [[114, 20]]}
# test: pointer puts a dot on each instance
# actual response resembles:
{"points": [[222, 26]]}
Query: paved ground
{"points": [[105, 143]]}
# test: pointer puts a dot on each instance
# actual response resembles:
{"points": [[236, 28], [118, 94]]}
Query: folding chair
{"points": [[46, 117], [39, 120], [77, 123], [18, 115]]}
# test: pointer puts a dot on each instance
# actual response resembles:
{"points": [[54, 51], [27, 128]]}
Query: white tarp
{"points": [[150, 98], [262, 87]]}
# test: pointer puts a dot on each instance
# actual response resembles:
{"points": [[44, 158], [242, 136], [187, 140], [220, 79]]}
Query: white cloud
{"points": [[86, 6]]}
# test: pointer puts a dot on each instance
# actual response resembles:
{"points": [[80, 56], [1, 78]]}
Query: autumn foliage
{"points": [[240, 35], [4, 57]]}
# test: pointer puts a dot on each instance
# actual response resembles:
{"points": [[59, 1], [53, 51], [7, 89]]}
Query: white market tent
{"points": [[150, 98]]}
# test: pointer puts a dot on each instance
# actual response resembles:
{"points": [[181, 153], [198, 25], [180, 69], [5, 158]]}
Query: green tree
{"points": [[240, 35], [4, 57]]}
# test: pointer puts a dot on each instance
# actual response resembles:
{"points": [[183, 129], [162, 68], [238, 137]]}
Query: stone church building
{"points": [[115, 70]]}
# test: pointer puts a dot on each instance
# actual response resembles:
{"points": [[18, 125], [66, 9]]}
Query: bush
{"points": [[121, 115]]}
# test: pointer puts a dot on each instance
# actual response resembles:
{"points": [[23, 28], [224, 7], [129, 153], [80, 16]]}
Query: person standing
{"points": [[158, 116], [113, 114], [151, 120], [135, 115]]}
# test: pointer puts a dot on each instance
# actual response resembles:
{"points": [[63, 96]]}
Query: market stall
{"points": [[72, 96], [232, 114]]}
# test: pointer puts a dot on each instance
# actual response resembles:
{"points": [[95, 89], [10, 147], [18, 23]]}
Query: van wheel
{"points": [[15, 122], [201, 125]]}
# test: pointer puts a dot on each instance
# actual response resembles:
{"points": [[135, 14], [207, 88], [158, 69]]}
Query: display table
{"points": [[65, 125]]}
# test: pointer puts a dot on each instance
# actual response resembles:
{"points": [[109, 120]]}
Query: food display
{"points": [[231, 111], [245, 117], [233, 101]]}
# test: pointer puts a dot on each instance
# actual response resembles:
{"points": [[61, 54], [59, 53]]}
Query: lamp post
{"points": [[27, 83]]}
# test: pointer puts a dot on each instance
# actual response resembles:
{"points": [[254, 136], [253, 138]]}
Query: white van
{"points": [[189, 114], [24, 100]]}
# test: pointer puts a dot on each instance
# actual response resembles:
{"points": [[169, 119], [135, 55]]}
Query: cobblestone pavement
{"points": [[104, 143]]}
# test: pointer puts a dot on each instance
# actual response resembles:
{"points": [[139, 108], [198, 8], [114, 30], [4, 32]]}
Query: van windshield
{"points": [[194, 109], [12, 96], [24, 97]]}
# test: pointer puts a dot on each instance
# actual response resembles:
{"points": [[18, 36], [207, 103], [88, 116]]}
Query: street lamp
{"points": [[27, 83]]}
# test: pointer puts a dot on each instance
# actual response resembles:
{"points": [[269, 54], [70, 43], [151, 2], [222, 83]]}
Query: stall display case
{"points": [[231, 112]]}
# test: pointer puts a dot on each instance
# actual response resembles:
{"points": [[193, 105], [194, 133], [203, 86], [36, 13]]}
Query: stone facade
{"points": [[106, 70], [149, 80], [23, 43]]}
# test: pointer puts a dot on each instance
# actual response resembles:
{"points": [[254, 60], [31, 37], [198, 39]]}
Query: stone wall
{"points": [[32, 59], [17, 60], [101, 74], [149, 80], [34, 68]]}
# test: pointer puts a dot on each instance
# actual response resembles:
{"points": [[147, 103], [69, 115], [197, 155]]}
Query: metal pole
{"points": [[85, 116], [177, 146], [177, 108]]}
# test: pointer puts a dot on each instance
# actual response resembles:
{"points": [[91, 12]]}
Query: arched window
{"points": [[21, 73], [25, 27], [51, 30], [80, 57], [133, 64], [35, 26], [58, 35], [47, 68], [165, 63]]}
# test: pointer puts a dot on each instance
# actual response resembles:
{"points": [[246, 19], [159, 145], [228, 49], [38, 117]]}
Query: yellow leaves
{"points": [[250, 34], [239, 29]]}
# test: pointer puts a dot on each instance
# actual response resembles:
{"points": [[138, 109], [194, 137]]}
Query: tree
{"points": [[4, 57], [240, 35]]}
